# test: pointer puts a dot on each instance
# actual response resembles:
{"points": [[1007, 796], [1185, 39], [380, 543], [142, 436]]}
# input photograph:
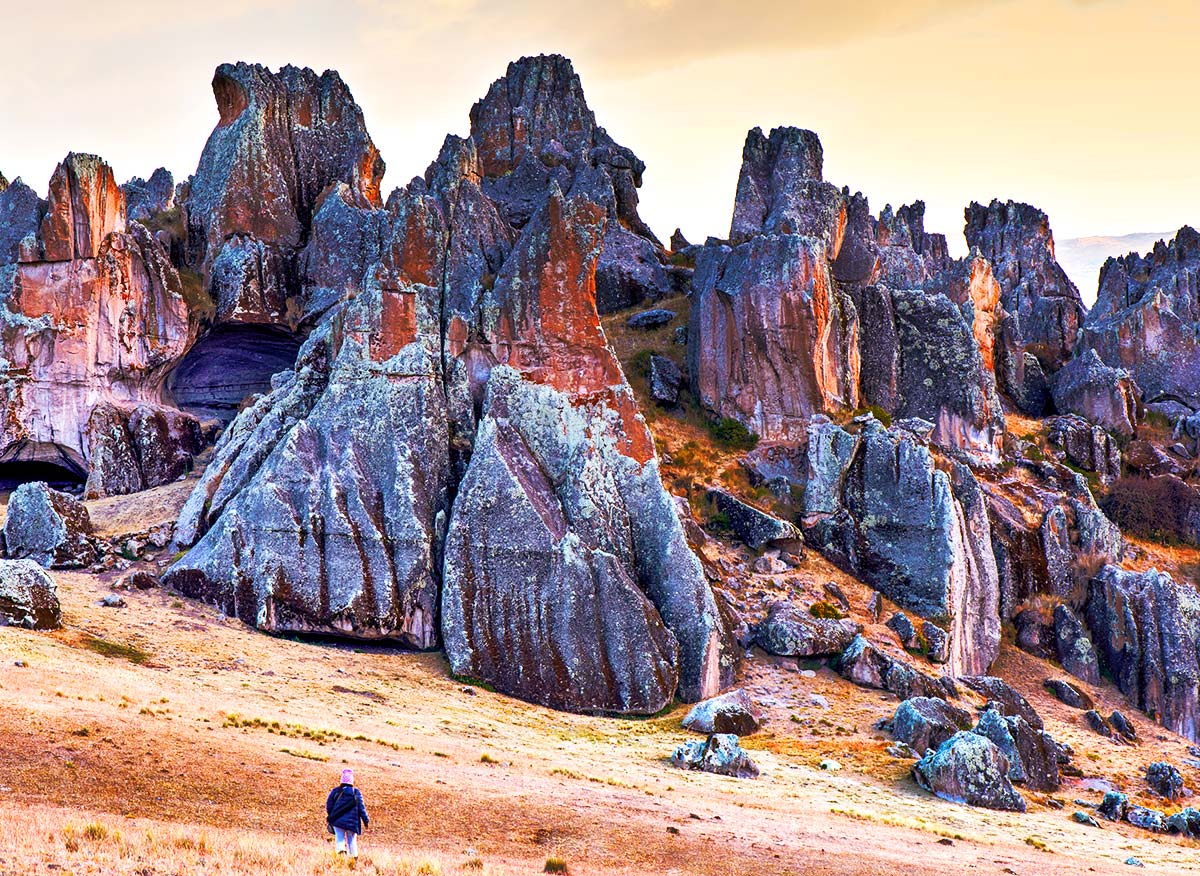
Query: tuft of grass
{"points": [[105, 648], [826, 609], [305, 753], [487, 758], [95, 831], [556, 864], [472, 864], [1037, 843]]}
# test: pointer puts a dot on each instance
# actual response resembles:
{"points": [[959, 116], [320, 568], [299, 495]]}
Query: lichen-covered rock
{"points": [[1146, 630], [1032, 754], [1043, 311], [28, 596], [1146, 818], [1145, 317], [281, 140], [876, 504], [865, 664], [755, 527], [48, 527], [664, 379], [1114, 806], [1186, 822], [1086, 446], [1074, 647], [1164, 780], [1069, 694], [969, 768], [1098, 393], [133, 450], [20, 215], [720, 754], [731, 712], [1010, 701], [790, 631], [924, 723]]}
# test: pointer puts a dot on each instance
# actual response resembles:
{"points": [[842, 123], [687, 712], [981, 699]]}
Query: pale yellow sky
{"points": [[1083, 107]]}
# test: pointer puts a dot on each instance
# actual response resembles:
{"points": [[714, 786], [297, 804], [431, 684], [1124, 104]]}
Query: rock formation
{"points": [[470, 337], [282, 138], [48, 527], [91, 310], [1146, 629], [1145, 317], [969, 768], [876, 505], [28, 596], [1043, 312], [814, 306]]}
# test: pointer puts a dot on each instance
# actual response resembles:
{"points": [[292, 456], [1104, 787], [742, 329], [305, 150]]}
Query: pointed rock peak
{"points": [[3, 182], [776, 188], [537, 109], [1002, 229], [85, 206]]}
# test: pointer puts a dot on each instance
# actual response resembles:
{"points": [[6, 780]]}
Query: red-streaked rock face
{"points": [[1043, 310], [92, 310], [281, 140]]}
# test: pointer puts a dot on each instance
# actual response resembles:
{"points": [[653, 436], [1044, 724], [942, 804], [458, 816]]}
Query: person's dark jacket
{"points": [[345, 809]]}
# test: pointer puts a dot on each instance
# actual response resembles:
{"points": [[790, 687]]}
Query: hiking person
{"points": [[346, 815]]}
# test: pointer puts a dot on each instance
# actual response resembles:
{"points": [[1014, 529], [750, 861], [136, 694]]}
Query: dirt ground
{"points": [[164, 716]]}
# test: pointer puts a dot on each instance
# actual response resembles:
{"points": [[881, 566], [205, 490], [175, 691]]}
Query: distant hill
{"points": [[1082, 257]]}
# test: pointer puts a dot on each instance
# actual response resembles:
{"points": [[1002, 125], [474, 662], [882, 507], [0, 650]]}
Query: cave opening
{"points": [[52, 464], [229, 364]]}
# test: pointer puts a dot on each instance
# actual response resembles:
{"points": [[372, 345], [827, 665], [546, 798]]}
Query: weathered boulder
{"points": [[1075, 650], [664, 380], [899, 624], [1098, 393], [1123, 726], [20, 215], [649, 319], [1145, 317], [1011, 703], [1114, 806], [877, 505], [924, 723], [1164, 780], [48, 527], [731, 712], [865, 664], [1035, 632], [1069, 694], [133, 450], [1146, 818], [1146, 629], [1186, 822], [720, 754], [969, 768], [1086, 446], [755, 527], [790, 631], [1043, 311], [1032, 754], [28, 596], [282, 138]]}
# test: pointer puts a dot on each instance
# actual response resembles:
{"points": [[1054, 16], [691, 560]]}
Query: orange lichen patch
{"points": [[397, 324], [984, 291], [417, 259], [458, 332], [231, 98]]}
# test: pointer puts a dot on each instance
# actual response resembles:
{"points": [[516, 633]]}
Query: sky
{"points": [[1084, 108]]}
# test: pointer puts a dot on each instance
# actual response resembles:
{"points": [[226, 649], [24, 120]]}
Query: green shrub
{"points": [[826, 609], [732, 435]]}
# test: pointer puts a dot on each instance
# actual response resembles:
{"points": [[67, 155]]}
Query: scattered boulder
{"points": [[1114, 806], [1123, 726], [1084, 818], [664, 379], [790, 631], [720, 754], [904, 630], [1147, 819], [138, 579], [1068, 693], [1099, 724], [650, 319], [1086, 446], [865, 664], [1035, 633], [1165, 780], [969, 768], [1185, 822], [924, 723], [756, 528], [51, 528], [28, 596], [1032, 754], [1011, 703], [731, 712], [937, 642]]}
